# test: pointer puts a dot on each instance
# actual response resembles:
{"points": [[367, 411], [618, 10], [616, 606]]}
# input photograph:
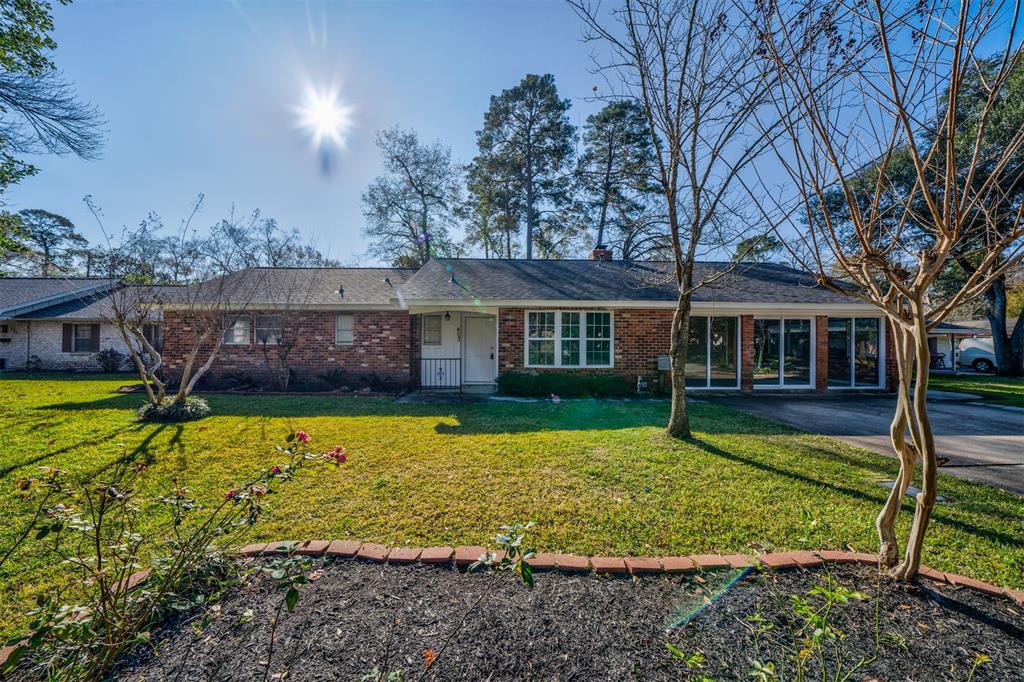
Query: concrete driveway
{"points": [[983, 442]]}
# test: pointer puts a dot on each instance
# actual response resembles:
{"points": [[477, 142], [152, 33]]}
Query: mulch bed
{"points": [[356, 617]]}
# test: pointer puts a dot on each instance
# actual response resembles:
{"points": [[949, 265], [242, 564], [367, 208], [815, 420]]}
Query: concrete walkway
{"points": [[983, 442]]}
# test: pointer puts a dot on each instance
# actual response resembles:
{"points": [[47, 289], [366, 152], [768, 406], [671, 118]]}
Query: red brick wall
{"points": [[821, 352], [640, 337], [383, 346], [892, 370], [746, 352]]}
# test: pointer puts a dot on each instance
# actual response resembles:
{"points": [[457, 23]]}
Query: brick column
{"points": [[747, 352], [821, 352], [892, 372]]}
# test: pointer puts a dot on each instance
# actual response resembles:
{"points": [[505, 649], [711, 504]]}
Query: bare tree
{"points": [[206, 305], [278, 331], [411, 209], [692, 67], [861, 85]]}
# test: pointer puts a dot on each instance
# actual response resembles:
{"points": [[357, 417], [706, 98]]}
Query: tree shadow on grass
{"points": [[875, 499], [96, 440], [143, 452]]}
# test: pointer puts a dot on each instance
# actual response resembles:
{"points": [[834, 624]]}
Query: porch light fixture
{"points": [[447, 316]]}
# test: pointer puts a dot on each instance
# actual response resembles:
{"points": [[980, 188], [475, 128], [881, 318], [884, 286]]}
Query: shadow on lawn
{"points": [[878, 499]]}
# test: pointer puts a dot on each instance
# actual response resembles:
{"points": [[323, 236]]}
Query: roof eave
{"points": [[12, 312]]}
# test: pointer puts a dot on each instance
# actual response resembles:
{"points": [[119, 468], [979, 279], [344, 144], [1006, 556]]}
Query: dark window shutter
{"points": [[67, 337], [94, 341]]}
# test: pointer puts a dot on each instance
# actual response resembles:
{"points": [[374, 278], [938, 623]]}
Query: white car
{"points": [[977, 353]]}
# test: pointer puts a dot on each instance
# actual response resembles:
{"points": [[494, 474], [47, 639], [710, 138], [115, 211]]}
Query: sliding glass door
{"points": [[854, 352], [783, 352], [713, 354]]}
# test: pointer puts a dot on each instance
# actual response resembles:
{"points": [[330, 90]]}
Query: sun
{"points": [[325, 116]]}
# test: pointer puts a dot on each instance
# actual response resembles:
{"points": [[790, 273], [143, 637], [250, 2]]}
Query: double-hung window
{"points": [[568, 339], [269, 329], [431, 330], [236, 330], [344, 330]]}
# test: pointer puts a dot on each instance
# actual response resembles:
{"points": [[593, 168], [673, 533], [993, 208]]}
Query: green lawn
{"points": [[993, 389], [597, 477]]}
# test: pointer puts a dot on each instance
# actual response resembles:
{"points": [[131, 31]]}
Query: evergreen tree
{"points": [[526, 147], [615, 169], [52, 241]]}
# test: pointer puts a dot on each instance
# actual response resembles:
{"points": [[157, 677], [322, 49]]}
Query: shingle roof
{"points": [[20, 294], [588, 280], [305, 286], [99, 305]]}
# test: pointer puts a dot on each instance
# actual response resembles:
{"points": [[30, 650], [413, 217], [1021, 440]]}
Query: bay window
{"points": [[568, 339]]}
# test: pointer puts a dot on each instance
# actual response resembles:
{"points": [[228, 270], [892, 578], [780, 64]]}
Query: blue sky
{"points": [[200, 97]]}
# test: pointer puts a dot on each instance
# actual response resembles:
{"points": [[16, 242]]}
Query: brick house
{"points": [[59, 323], [456, 323]]}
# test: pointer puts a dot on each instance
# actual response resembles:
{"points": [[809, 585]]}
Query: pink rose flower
{"points": [[302, 436], [337, 455], [275, 469], [229, 495]]}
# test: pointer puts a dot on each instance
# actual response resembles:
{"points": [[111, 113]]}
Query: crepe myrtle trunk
{"points": [[679, 418], [911, 349]]}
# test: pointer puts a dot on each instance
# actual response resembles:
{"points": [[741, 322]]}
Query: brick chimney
{"points": [[601, 252]]}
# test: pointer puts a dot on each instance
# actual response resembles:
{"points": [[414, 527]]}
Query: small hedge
{"points": [[565, 385], [170, 411]]}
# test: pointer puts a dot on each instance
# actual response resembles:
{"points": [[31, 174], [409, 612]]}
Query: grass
{"points": [[992, 389], [597, 477]]}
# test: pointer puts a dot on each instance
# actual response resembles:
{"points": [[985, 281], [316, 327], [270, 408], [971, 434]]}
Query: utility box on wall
{"points": [[664, 363]]}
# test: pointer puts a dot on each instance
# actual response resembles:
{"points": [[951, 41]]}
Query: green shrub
{"points": [[565, 385], [110, 360], [169, 411]]}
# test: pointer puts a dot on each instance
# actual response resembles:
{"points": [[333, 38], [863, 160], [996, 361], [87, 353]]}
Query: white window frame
{"points": [[782, 352], [881, 353], [440, 330], [256, 330], [707, 355], [75, 338], [235, 319], [558, 338], [337, 330]]}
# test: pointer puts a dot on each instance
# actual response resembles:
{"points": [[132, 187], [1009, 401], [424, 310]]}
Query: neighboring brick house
{"points": [[463, 322], [58, 324]]}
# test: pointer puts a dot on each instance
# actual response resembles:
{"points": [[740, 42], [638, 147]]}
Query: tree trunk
{"points": [[924, 443], [606, 195], [531, 215], [1017, 346], [679, 419], [995, 311], [889, 551]]}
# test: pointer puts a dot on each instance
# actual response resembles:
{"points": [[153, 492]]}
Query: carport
{"points": [[948, 335]]}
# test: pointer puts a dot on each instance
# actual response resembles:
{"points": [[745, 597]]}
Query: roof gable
{"points": [[22, 295]]}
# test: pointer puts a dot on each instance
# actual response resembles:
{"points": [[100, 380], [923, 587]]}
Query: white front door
{"points": [[479, 333]]}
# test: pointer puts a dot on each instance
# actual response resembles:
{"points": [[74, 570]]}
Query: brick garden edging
{"points": [[572, 563], [463, 556]]}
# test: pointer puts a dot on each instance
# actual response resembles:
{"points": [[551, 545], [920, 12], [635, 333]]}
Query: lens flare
{"points": [[325, 116]]}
